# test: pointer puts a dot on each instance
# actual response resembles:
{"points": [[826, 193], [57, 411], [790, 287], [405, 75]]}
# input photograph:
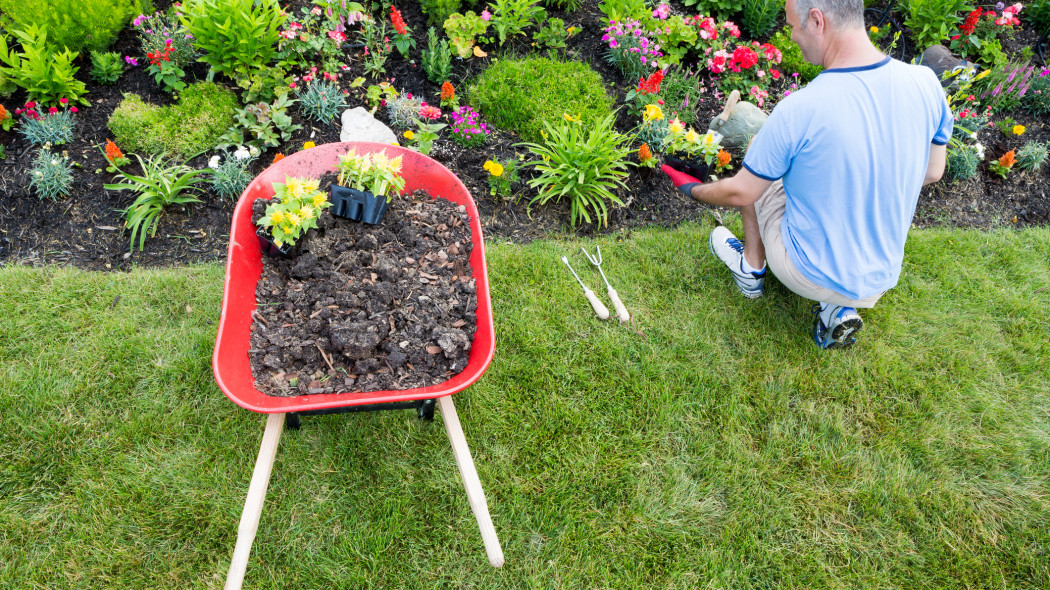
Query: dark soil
{"points": [[368, 307], [86, 228]]}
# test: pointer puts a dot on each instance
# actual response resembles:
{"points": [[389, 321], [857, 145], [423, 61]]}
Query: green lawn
{"points": [[708, 445]]}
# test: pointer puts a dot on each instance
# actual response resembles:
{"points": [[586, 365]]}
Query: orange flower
{"points": [[113, 152], [4, 115], [278, 157], [447, 91], [1007, 161], [644, 154], [723, 158]]}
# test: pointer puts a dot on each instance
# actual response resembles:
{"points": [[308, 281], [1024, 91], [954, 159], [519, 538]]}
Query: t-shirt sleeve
{"points": [[947, 122], [770, 154]]}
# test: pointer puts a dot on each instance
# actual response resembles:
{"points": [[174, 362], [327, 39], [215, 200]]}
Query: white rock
{"points": [[360, 125]]}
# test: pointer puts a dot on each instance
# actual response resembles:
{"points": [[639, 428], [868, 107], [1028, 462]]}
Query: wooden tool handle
{"points": [[599, 307], [621, 311]]}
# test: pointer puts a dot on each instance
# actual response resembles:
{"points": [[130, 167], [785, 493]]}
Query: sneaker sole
{"points": [[842, 335]]}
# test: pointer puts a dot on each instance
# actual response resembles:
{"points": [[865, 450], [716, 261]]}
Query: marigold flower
{"points": [[1007, 161], [309, 145], [112, 151], [723, 158], [1018, 129], [874, 30], [278, 157], [448, 92], [410, 135], [644, 154], [496, 169]]}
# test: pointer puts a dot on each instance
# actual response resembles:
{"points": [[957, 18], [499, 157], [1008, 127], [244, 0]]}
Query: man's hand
{"points": [[681, 180]]}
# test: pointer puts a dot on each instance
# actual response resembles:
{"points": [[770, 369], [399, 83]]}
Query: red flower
{"points": [[971, 21], [399, 23], [650, 85], [52, 111], [743, 58]]}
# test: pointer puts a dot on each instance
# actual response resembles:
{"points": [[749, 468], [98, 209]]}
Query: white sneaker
{"points": [[845, 322], [730, 250]]}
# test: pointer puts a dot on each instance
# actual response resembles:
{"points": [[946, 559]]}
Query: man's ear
{"points": [[817, 18]]}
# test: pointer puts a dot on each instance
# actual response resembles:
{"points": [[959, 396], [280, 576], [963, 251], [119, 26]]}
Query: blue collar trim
{"points": [[859, 68]]}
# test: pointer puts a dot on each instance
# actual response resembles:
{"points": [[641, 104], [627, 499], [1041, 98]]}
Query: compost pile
{"points": [[365, 307]]}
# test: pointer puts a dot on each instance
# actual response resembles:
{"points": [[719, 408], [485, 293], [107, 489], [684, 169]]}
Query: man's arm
{"points": [[739, 190], [935, 169]]}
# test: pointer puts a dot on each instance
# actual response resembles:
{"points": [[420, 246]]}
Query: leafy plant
{"points": [[676, 36], [760, 16], [377, 43], [106, 67], [230, 175], [51, 176], [294, 210], [682, 91], [374, 172], [502, 176], [422, 139], [316, 36], [630, 49], [1037, 100], [194, 124], [1004, 164], [168, 47], [553, 34], [84, 24], [463, 30], [581, 166], [624, 10], [962, 162], [721, 9], [52, 128], [320, 101], [518, 95], [44, 72], [403, 109], [439, 10], [437, 58], [1031, 156], [262, 125], [1037, 12], [235, 36], [403, 38], [264, 84], [568, 6], [159, 186], [931, 21], [512, 17], [6, 120]]}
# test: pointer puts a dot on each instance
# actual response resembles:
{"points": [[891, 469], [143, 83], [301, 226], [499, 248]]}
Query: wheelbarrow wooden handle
{"points": [[254, 502], [475, 494]]}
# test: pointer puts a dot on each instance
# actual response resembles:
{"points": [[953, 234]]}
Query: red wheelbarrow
{"points": [[233, 372]]}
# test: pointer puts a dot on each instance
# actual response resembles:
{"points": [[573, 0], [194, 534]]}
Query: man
{"points": [[829, 185]]}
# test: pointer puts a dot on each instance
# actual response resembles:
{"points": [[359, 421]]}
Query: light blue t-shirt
{"points": [[852, 149]]}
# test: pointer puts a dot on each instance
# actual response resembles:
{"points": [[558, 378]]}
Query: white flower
{"points": [[973, 135], [214, 161], [242, 153], [254, 151]]}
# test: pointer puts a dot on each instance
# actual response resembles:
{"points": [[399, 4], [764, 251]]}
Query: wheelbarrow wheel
{"points": [[291, 420], [426, 410]]}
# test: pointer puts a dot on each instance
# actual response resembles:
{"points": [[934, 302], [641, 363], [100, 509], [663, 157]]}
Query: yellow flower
{"points": [[294, 219], [569, 117], [981, 75], [692, 136], [295, 187], [278, 217], [496, 169], [652, 113], [319, 199], [409, 135], [570, 30], [1018, 129], [676, 126], [308, 145], [874, 30], [488, 165], [306, 212]]}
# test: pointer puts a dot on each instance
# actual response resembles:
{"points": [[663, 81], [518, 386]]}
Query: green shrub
{"points": [[1037, 12], [106, 67], [722, 10], [569, 6], [793, 61], [760, 16], [76, 25], [51, 176], [962, 163], [932, 21], [519, 95], [437, 58], [1037, 99], [1031, 156], [45, 73], [187, 128], [236, 36], [439, 10]]}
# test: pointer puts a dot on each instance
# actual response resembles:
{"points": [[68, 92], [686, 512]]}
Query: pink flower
{"points": [[337, 36], [316, 11], [52, 111], [307, 78], [131, 60], [486, 15], [63, 101], [429, 112], [292, 84], [30, 104]]}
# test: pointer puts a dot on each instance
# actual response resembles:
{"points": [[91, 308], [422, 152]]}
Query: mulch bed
{"points": [[362, 307], [86, 229]]}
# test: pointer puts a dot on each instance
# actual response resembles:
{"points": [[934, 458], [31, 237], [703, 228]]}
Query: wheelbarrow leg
{"points": [[475, 494], [254, 502]]}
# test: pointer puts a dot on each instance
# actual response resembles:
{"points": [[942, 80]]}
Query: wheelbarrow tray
{"points": [[230, 361]]}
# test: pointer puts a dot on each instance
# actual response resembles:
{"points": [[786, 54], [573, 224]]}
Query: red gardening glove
{"points": [[681, 180]]}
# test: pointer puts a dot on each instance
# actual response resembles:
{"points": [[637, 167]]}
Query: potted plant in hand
{"points": [[366, 185], [294, 209], [690, 152]]}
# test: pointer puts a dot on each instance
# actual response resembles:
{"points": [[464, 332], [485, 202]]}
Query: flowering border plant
{"points": [[294, 209], [467, 128], [630, 48], [374, 172]]}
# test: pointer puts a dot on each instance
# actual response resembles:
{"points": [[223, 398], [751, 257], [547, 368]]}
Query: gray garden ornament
{"points": [[738, 122], [949, 68], [360, 125]]}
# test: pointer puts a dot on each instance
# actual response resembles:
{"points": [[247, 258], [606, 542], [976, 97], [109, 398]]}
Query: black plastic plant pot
{"points": [[357, 205], [269, 248], [696, 168]]}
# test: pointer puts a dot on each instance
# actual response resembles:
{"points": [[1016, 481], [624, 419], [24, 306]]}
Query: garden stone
{"points": [[939, 59], [360, 125], [738, 122]]}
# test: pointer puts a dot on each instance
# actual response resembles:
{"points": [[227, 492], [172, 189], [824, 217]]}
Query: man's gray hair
{"points": [[841, 14]]}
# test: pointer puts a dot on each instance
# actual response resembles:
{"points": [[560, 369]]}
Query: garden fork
{"points": [[621, 311]]}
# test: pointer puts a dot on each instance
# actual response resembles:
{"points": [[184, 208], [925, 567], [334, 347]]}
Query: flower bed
{"points": [[74, 219]]}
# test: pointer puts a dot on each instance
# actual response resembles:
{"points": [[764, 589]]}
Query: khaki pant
{"points": [[770, 211]]}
